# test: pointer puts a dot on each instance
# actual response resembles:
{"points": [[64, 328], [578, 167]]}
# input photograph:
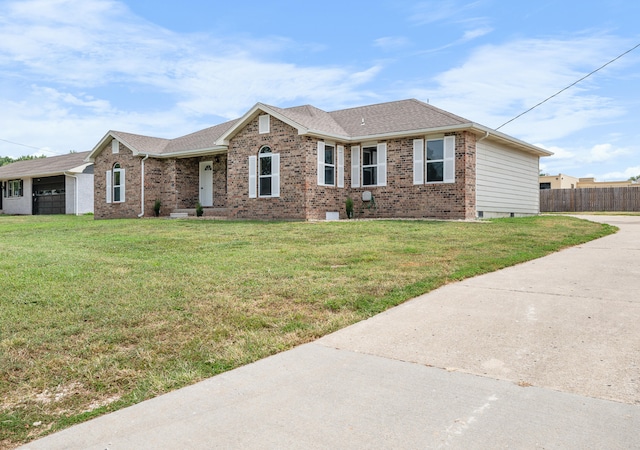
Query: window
{"points": [[436, 160], [267, 166], [115, 146], [547, 186], [264, 124], [115, 184], [15, 188], [373, 162], [330, 164], [265, 172], [374, 165]]}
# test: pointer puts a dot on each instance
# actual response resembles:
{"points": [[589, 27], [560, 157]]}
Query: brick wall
{"points": [[400, 197], [282, 139], [176, 181], [131, 164]]}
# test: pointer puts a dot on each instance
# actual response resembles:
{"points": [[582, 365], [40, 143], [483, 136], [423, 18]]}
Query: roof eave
{"points": [[471, 126], [189, 153], [522, 145]]}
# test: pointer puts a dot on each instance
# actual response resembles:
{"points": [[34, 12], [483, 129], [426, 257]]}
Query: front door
{"points": [[206, 183]]}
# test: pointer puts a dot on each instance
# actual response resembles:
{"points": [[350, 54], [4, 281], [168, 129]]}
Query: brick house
{"points": [[399, 159]]}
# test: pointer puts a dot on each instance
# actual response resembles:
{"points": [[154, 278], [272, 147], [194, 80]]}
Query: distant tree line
{"points": [[4, 160]]}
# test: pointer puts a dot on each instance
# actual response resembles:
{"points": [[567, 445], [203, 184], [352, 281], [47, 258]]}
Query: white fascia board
{"points": [[79, 169], [218, 149], [91, 157], [389, 135], [250, 115], [488, 132], [514, 142]]}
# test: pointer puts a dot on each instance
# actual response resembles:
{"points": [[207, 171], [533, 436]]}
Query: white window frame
{"points": [[15, 188], [380, 165], [116, 172], [115, 146], [421, 161], [264, 124], [323, 164], [255, 163]]}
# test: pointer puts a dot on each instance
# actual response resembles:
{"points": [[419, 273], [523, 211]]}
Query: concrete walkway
{"points": [[542, 355]]}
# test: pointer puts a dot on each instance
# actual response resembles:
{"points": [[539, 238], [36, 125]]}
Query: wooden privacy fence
{"points": [[590, 199]]}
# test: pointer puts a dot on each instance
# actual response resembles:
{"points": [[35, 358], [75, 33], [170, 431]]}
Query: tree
{"points": [[4, 160], [635, 179]]}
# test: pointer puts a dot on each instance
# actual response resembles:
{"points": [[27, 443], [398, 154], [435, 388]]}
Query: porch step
{"points": [[209, 213]]}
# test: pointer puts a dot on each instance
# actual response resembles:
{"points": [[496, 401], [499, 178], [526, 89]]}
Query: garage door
{"points": [[49, 195]]}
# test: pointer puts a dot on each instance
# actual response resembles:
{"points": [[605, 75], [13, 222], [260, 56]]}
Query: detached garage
{"points": [[53, 185]]}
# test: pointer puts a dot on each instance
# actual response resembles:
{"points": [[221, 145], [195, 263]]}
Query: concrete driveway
{"points": [[545, 354]]}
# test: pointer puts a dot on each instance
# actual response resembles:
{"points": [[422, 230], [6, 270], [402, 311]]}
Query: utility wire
{"points": [[568, 87], [17, 143], [28, 146]]}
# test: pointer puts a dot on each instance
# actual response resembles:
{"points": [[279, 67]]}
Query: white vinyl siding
{"points": [[355, 166], [506, 181]]}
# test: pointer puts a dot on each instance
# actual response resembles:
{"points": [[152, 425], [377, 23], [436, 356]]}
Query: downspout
{"points": [[142, 185], [75, 194], [476, 171]]}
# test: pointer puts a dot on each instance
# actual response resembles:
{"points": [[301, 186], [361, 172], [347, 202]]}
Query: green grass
{"points": [[98, 315]]}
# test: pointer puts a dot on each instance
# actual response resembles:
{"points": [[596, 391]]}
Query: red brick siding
{"points": [[131, 164], [282, 139], [176, 181]]}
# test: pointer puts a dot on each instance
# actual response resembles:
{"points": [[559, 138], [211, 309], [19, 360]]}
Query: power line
{"points": [[570, 86], [28, 146], [17, 143]]}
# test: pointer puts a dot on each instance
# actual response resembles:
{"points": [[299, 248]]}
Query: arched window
{"points": [[115, 184], [265, 171], [266, 165]]}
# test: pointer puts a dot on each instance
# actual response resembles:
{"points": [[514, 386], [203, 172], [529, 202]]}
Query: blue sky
{"points": [[70, 70]]}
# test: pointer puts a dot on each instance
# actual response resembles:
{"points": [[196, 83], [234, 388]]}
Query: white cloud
{"points": [[621, 175], [82, 63], [428, 12], [390, 43], [498, 82], [598, 153]]}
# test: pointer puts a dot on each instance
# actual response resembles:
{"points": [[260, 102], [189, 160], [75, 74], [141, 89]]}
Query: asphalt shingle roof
{"points": [[404, 116], [52, 165]]}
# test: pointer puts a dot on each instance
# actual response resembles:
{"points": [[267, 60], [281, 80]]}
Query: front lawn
{"points": [[98, 315]]}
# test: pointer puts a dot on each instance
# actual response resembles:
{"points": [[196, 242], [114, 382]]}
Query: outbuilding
{"points": [[53, 185]]}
